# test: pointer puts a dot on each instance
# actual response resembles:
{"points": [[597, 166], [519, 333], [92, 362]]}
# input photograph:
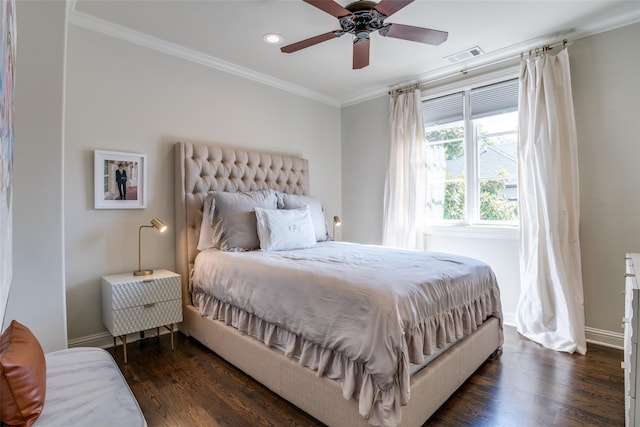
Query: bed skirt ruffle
{"points": [[380, 406]]}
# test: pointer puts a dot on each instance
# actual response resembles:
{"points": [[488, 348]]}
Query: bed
{"points": [[405, 397]]}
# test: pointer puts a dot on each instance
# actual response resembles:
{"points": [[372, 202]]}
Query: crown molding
{"points": [[492, 58], [500, 56], [92, 23]]}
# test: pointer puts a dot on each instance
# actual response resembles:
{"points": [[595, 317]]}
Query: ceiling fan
{"points": [[363, 17]]}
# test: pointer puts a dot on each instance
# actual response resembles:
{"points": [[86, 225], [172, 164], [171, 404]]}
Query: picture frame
{"points": [[120, 180], [7, 88]]}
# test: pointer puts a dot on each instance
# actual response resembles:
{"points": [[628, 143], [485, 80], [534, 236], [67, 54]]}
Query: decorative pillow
{"points": [[235, 219], [206, 238], [23, 376], [281, 230], [294, 201]]}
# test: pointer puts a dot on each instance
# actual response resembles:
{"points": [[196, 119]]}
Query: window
{"points": [[472, 158]]}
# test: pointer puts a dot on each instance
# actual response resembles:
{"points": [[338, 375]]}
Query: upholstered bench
{"points": [[84, 386]]}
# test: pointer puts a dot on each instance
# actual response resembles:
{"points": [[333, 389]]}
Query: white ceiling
{"points": [[228, 35]]}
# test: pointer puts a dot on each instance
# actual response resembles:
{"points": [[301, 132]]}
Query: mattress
{"points": [[355, 313]]}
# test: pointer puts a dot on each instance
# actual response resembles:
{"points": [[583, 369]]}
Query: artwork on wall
{"points": [[120, 180], [7, 75]]}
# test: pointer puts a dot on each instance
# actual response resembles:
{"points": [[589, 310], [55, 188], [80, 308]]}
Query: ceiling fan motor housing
{"points": [[363, 20]]}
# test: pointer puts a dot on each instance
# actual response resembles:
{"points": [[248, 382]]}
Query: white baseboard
{"points": [[509, 319], [594, 335], [105, 340], [605, 338]]}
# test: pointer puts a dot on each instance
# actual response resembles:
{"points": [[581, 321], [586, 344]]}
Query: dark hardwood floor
{"points": [[526, 386]]}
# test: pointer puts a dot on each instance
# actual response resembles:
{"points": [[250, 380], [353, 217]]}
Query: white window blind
{"points": [[484, 101], [445, 109], [494, 99]]}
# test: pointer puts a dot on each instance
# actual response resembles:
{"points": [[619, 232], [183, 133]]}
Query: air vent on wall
{"points": [[464, 55]]}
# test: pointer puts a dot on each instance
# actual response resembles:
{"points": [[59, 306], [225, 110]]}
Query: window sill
{"points": [[504, 232]]}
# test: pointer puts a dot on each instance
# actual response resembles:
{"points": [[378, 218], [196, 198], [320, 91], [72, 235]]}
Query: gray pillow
{"points": [[235, 218], [293, 201]]}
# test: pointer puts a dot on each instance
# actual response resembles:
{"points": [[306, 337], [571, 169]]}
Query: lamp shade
{"points": [[158, 224], [336, 223]]}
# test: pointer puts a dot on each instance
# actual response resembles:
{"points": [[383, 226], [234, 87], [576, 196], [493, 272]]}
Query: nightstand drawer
{"points": [[147, 316], [130, 291]]}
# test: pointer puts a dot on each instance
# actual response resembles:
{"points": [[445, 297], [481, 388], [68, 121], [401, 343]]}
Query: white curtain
{"points": [[551, 306], [405, 183]]}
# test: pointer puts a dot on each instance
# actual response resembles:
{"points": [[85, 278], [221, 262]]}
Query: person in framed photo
{"points": [[121, 181]]}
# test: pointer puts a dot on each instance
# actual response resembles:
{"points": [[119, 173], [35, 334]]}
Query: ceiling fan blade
{"points": [[360, 53], [389, 7], [294, 47], [329, 6], [416, 34]]}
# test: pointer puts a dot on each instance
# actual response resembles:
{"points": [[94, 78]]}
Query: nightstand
{"points": [[137, 303]]}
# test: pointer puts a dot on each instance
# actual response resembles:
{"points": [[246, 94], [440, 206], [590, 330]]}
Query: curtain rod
{"points": [[405, 89], [543, 48]]}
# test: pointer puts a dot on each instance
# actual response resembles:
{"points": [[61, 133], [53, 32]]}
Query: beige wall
{"points": [[36, 298], [605, 70], [124, 97], [365, 130]]}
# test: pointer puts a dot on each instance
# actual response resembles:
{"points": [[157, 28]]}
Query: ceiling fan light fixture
{"points": [[272, 38], [362, 35]]}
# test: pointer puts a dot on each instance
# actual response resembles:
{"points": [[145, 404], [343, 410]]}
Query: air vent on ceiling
{"points": [[464, 55]]}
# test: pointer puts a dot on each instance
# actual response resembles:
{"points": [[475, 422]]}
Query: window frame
{"points": [[472, 226]]}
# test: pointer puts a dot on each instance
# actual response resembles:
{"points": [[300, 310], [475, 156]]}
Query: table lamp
{"points": [[155, 223], [336, 223]]}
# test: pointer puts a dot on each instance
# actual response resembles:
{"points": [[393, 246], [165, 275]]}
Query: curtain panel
{"points": [[404, 198], [551, 306]]}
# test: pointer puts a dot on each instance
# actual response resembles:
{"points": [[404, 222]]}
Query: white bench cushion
{"points": [[86, 388]]}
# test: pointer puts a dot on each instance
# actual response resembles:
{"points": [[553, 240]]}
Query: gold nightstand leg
{"points": [[171, 329], [124, 347]]}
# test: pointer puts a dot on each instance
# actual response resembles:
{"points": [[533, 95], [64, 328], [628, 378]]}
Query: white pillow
{"points": [[280, 229], [293, 201], [205, 240]]}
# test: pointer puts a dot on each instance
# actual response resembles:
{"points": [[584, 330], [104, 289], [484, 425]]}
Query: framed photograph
{"points": [[120, 180], [7, 85]]}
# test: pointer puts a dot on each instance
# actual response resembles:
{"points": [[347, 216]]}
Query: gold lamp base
{"points": [[142, 272]]}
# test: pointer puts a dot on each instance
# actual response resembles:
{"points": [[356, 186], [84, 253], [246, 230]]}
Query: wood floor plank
{"points": [[527, 385]]}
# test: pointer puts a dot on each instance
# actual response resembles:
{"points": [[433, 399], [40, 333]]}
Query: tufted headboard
{"points": [[202, 168]]}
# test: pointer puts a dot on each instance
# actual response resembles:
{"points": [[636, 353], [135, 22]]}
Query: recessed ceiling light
{"points": [[272, 38]]}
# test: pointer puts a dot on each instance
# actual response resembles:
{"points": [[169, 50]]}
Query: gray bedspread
{"points": [[359, 314]]}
